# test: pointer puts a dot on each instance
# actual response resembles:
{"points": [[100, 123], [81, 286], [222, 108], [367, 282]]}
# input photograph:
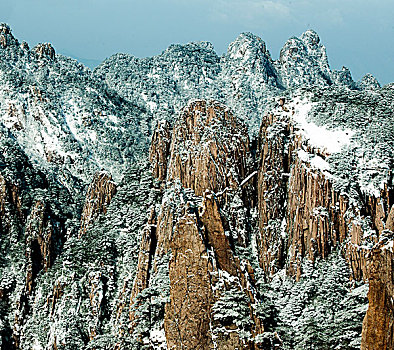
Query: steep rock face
{"points": [[9, 195], [304, 61], [45, 50], [273, 172], [378, 325], [208, 154], [6, 37], [159, 150], [145, 258], [39, 236], [98, 196], [209, 149], [188, 314], [202, 269], [305, 214]]}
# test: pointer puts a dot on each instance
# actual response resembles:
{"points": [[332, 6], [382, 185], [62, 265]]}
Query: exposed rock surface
{"points": [[191, 228], [159, 150], [98, 197], [238, 241], [209, 149], [378, 325], [45, 50], [304, 215]]}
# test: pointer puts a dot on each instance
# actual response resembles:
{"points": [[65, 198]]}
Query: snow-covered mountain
{"points": [[190, 200]]}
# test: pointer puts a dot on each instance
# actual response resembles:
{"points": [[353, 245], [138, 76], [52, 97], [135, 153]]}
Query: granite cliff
{"points": [[191, 201]]}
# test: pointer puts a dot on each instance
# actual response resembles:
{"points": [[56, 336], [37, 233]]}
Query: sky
{"points": [[358, 34]]}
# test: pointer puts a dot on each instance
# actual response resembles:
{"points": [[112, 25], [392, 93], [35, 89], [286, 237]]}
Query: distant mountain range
{"points": [[194, 201]]}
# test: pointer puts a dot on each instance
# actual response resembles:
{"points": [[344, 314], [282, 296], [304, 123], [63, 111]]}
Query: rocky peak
{"points": [[246, 45], [303, 61], [311, 39], [209, 149], [44, 50], [98, 196], [6, 37], [248, 54], [368, 82], [343, 77], [208, 156], [159, 149]]}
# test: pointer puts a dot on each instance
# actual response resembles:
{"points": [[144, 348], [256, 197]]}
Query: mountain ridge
{"points": [[255, 195]]}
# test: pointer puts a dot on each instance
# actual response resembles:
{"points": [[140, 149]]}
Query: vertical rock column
{"points": [[99, 195], [208, 159]]}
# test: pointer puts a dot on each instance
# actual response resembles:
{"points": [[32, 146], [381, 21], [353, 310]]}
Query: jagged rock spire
{"points": [[249, 53], [45, 50], [6, 37], [303, 61], [368, 82]]}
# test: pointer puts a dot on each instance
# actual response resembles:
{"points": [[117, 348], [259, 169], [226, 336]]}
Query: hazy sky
{"points": [[357, 34]]}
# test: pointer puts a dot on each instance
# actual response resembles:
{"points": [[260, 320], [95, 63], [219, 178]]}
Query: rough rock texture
{"points": [[188, 314], [159, 150], [6, 37], [209, 152], [45, 50], [98, 197], [145, 259], [273, 172], [378, 325], [39, 236], [303, 215], [209, 149], [201, 268]]}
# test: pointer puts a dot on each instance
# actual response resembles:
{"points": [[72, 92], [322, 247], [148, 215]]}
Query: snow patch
{"points": [[320, 137], [315, 161]]}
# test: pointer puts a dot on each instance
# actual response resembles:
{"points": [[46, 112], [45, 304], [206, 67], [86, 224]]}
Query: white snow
{"points": [[36, 345], [316, 161], [152, 105], [389, 246], [157, 337], [92, 135], [113, 118], [247, 178], [319, 163], [329, 140]]}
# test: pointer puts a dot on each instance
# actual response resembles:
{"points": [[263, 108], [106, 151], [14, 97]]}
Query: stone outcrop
{"points": [[378, 325], [209, 149], [208, 159], [302, 215], [98, 196], [45, 50], [6, 37], [9, 196], [39, 241], [145, 258], [202, 267], [159, 150], [273, 172]]}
